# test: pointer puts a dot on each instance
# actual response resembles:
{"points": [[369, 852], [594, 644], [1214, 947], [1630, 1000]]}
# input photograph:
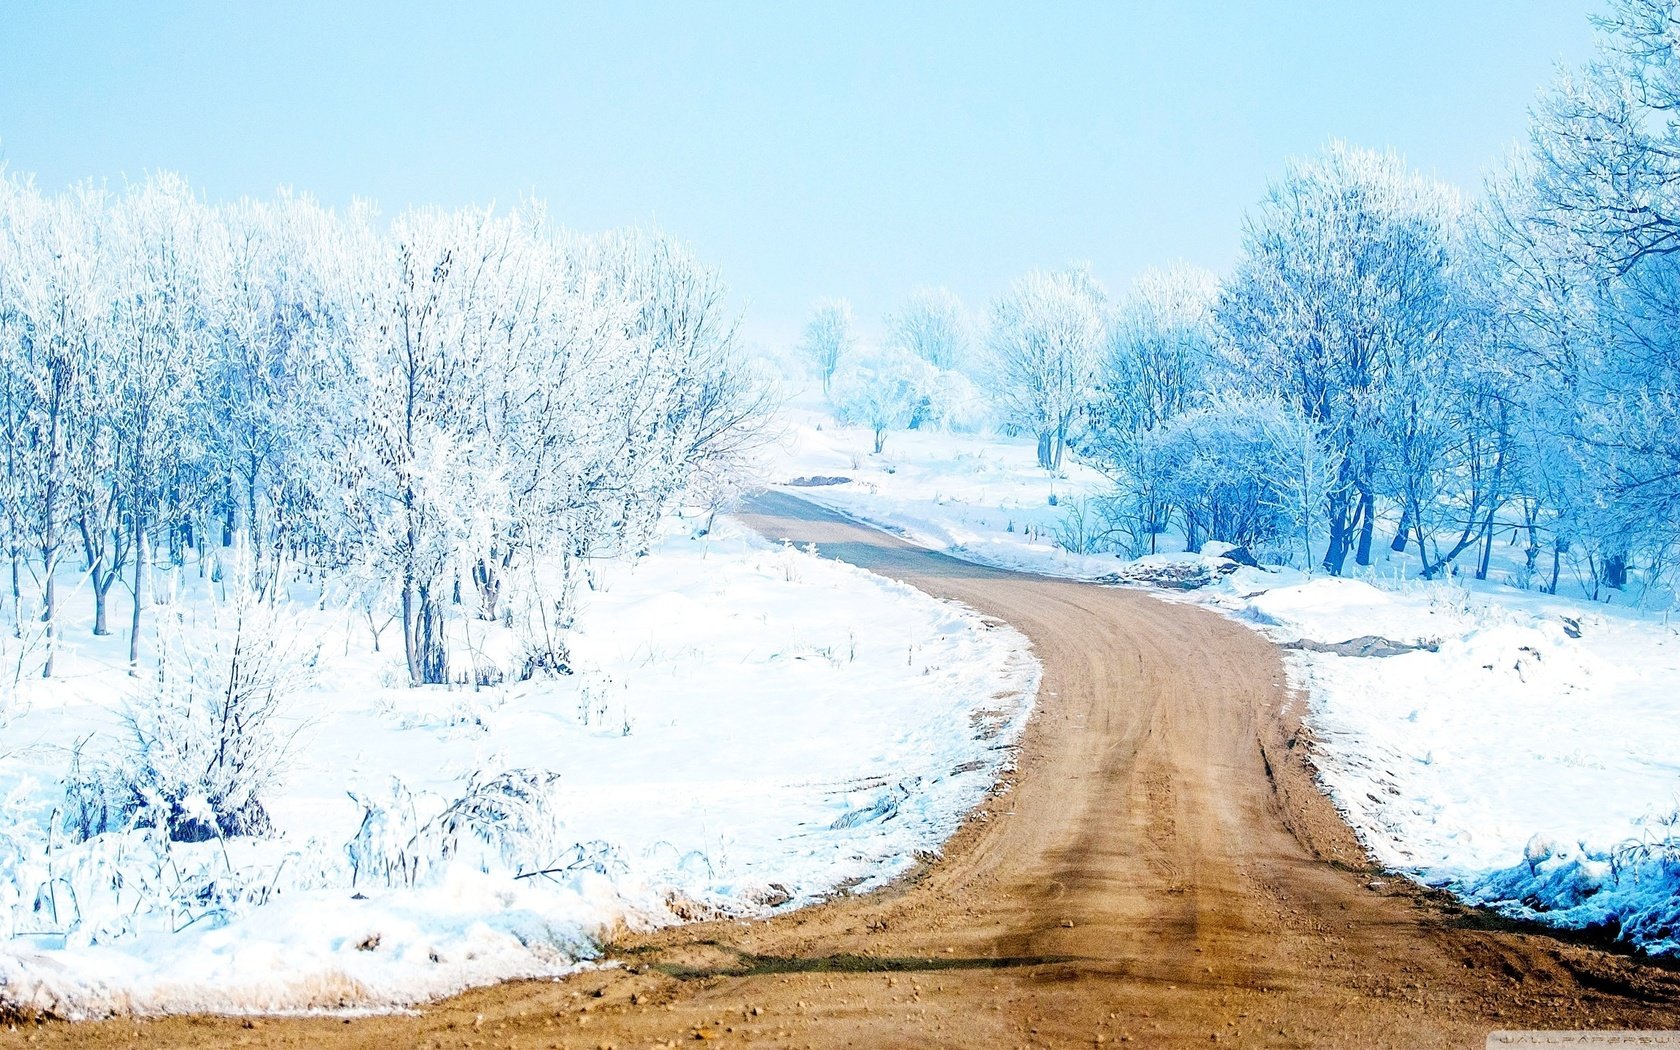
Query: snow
{"points": [[983, 498], [748, 727], [1516, 765], [1506, 760]]}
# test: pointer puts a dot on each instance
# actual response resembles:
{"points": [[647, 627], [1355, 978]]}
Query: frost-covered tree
{"points": [[19, 470], [932, 325], [1158, 354], [1045, 336], [1543, 318], [269, 323], [698, 410], [1341, 288], [1607, 148], [623, 397], [510, 396], [55, 309], [98, 480], [884, 392], [1235, 468], [1157, 362], [1299, 471], [827, 337], [154, 345], [422, 334], [1601, 220]]}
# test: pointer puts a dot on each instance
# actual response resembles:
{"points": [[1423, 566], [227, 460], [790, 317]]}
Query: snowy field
{"points": [[748, 727], [1527, 756], [978, 497]]}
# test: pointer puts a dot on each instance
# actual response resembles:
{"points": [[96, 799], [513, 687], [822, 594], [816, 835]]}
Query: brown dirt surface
{"points": [[1162, 870]]}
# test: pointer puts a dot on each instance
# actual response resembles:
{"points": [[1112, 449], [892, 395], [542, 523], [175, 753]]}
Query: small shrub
{"points": [[205, 734], [510, 818]]}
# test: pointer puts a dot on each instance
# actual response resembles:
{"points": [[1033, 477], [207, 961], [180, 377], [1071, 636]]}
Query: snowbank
{"points": [[1529, 762], [748, 727]]}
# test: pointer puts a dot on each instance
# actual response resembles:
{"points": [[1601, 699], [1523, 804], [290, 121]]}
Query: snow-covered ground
{"points": [[981, 497], [748, 727], [1528, 757]]}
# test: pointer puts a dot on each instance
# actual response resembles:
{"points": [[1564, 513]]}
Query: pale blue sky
{"points": [[856, 149]]}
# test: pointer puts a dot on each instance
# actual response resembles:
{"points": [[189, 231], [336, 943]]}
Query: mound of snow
{"points": [[746, 726]]}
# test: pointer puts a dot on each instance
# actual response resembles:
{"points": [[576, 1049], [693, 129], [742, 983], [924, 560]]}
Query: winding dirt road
{"points": [[1162, 871]]}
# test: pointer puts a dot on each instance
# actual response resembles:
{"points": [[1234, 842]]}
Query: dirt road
{"points": [[1162, 871]]}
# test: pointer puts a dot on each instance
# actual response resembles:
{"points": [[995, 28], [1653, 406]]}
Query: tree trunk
{"points": [[1399, 544], [50, 539], [1336, 551], [17, 598], [410, 655], [488, 583], [100, 627], [1616, 570], [252, 533], [1487, 548], [1531, 553], [174, 534], [1044, 449], [423, 636], [48, 605], [139, 594], [1367, 525], [429, 644]]}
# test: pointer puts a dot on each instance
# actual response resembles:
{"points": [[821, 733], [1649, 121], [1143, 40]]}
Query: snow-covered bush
{"points": [[956, 403], [503, 821], [1631, 892], [23, 865], [207, 735], [1082, 528], [1138, 510]]}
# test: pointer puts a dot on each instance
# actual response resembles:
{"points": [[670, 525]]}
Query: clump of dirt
{"points": [[1174, 576], [1365, 645]]}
